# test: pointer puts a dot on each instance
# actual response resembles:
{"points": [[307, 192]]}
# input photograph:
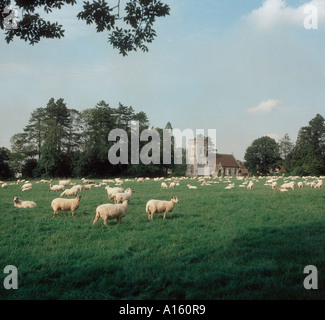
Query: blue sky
{"points": [[244, 68]]}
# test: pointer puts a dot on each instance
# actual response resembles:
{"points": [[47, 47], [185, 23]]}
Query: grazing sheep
{"points": [[69, 192], [86, 181], [4, 186], [288, 185], [46, 181], [274, 185], [112, 191], [60, 204], [111, 211], [64, 182], [26, 186], [191, 187], [164, 185], [300, 184], [23, 204], [160, 206], [172, 185], [56, 187], [319, 184], [121, 197], [250, 185]]}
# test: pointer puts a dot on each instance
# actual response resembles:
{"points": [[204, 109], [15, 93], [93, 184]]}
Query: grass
{"points": [[216, 244]]}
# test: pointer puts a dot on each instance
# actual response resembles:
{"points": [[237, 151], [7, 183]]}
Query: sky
{"points": [[244, 68]]}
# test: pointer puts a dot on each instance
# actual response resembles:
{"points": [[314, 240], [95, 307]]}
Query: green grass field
{"points": [[216, 244]]}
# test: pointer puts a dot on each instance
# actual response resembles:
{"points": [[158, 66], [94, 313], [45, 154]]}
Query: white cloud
{"points": [[265, 106], [278, 13]]}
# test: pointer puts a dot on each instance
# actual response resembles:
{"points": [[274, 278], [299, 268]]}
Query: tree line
{"points": [[63, 142], [305, 157]]}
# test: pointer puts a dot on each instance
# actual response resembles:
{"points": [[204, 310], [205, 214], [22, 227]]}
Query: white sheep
{"points": [[121, 197], [26, 186], [4, 186], [164, 185], [319, 184], [23, 204], [191, 187], [111, 211], [160, 206], [111, 191], [313, 184], [172, 185], [288, 185], [250, 185], [274, 185], [69, 192], [56, 187], [300, 184], [64, 182], [60, 204]]}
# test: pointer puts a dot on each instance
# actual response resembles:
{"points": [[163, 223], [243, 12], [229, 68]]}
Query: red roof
{"points": [[226, 160]]}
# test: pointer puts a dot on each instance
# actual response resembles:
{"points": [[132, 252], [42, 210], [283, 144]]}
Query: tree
{"points": [[262, 156], [286, 148], [128, 30], [5, 170], [308, 156]]}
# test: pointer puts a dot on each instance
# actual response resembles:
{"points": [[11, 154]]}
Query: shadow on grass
{"points": [[263, 263]]}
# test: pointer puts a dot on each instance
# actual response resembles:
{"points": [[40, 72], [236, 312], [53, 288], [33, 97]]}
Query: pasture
{"points": [[216, 244]]}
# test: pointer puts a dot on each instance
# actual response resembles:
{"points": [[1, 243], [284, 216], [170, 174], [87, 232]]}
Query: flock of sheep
{"points": [[122, 197], [107, 211]]}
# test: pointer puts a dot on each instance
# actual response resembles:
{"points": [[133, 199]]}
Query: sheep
{"points": [[23, 204], [60, 204], [319, 184], [160, 206], [164, 185], [56, 187], [120, 197], [191, 187], [300, 184], [108, 181], [172, 185], [70, 192], [26, 186], [4, 186], [250, 185], [64, 182], [86, 181], [288, 185], [274, 185], [46, 181], [111, 211], [111, 191]]}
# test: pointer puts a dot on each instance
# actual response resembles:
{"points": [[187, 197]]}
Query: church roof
{"points": [[226, 160]]}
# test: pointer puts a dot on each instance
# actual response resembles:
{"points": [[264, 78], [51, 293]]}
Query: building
{"points": [[226, 165]]}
